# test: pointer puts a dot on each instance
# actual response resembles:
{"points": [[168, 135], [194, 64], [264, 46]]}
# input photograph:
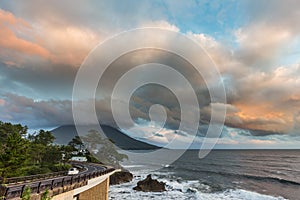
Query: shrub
{"points": [[60, 167], [45, 195], [26, 193], [33, 170]]}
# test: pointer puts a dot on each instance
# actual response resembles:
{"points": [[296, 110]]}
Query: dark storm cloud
{"points": [[20, 109], [45, 81], [262, 95]]}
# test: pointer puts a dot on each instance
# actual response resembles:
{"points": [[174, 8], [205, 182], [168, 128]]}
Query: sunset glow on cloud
{"points": [[256, 50]]}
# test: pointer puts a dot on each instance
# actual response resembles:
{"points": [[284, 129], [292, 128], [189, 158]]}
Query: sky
{"points": [[255, 44]]}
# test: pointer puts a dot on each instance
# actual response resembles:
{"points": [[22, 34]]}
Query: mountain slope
{"points": [[64, 134]]}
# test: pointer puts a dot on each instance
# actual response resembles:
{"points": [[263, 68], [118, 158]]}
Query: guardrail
{"points": [[17, 180], [15, 191]]}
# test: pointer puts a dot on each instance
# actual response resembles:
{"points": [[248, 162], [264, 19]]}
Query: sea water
{"points": [[223, 174]]}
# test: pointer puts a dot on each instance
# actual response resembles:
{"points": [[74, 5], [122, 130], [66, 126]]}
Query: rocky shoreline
{"points": [[146, 185], [150, 185], [120, 177]]}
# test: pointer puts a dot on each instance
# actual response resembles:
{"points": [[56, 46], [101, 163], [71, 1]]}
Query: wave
{"points": [[249, 176], [133, 166], [284, 181], [183, 190]]}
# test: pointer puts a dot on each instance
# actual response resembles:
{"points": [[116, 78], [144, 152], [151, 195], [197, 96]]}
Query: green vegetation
{"points": [[45, 195], [26, 194], [102, 149], [14, 149], [22, 154]]}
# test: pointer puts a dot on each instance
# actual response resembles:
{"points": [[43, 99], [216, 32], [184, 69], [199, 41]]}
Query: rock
{"points": [[120, 177], [191, 190], [150, 185]]}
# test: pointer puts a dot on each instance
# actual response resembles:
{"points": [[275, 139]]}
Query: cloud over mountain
{"points": [[255, 45]]}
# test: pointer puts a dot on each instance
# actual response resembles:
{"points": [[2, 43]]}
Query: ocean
{"points": [[223, 174]]}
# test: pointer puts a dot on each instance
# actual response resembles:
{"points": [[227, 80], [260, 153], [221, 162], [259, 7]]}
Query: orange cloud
{"points": [[60, 44], [262, 117], [2, 102], [69, 44], [11, 42], [9, 19]]}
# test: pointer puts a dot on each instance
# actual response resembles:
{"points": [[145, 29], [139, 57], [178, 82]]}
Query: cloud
{"points": [[2, 102], [160, 24], [269, 32], [246, 108], [231, 113], [278, 13], [53, 113], [44, 45], [233, 138], [19, 109], [57, 44], [270, 98], [92, 14], [47, 113], [9, 41], [152, 132], [260, 43], [296, 128], [244, 139], [69, 32], [38, 80], [260, 99], [68, 44]]}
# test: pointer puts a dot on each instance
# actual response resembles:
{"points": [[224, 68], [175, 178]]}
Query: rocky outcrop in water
{"points": [[120, 177], [150, 185]]}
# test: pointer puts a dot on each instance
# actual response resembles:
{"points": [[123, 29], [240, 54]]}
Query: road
{"points": [[14, 190], [89, 167]]}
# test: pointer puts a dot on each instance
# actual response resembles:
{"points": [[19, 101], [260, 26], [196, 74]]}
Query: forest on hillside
{"points": [[23, 154]]}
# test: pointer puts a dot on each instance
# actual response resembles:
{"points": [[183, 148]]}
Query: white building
{"points": [[78, 158]]}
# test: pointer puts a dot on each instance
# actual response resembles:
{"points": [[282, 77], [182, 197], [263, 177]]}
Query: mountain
{"points": [[64, 134]]}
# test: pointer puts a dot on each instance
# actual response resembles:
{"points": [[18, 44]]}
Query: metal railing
{"points": [[17, 180], [16, 190]]}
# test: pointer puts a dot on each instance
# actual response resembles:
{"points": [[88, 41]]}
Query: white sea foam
{"points": [[239, 194], [182, 190], [133, 166]]}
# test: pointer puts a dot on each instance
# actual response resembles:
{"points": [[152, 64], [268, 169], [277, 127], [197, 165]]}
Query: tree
{"points": [[7, 128], [37, 151], [13, 154], [77, 144], [34, 154], [41, 148], [44, 137], [66, 152], [103, 149], [52, 156]]}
